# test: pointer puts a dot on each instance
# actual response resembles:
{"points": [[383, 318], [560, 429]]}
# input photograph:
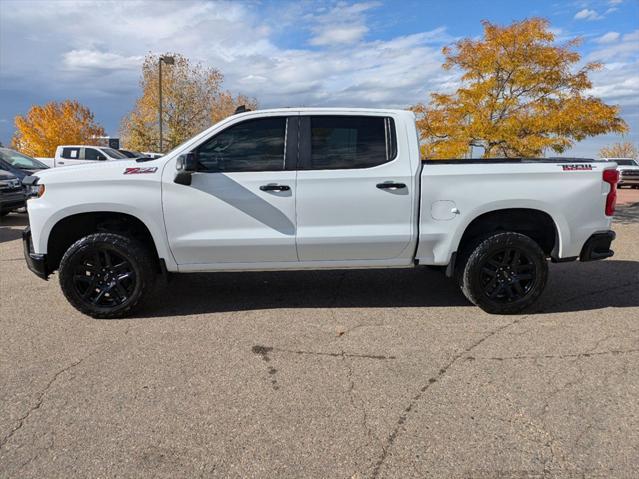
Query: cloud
{"points": [[628, 47], [65, 56], [96, 60], [339, 34], [587, 14], [609, 37], [342, 24]]}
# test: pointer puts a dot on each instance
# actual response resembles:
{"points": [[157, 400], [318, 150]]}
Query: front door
{"points": [[240, 208], [355, 190]]}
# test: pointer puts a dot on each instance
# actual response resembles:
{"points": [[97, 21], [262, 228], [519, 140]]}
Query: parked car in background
{"points": [[131, 153], [19, 164], [12, 193], [628, 171], [152, 155], [71, 155], [314, 188]]}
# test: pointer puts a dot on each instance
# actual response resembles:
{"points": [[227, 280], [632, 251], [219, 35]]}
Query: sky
{"points": [[290, 53]]}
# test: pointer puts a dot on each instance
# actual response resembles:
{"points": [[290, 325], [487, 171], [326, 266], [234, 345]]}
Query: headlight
{"points": [[35, 191]]}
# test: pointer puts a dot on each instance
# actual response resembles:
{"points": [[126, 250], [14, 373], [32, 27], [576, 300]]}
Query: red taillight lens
{"points": [[612, 178]]}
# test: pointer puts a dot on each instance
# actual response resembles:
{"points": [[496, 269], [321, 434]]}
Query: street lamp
{"points": [[169, 61]]}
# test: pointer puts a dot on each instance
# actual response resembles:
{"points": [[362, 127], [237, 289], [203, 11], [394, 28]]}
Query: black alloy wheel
{"points": [[508, 275], [104, 278], [107, 275], [503, 273]]}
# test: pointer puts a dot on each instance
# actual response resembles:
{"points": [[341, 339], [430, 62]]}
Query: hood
{"points": [[5, 175], [103, 170]]}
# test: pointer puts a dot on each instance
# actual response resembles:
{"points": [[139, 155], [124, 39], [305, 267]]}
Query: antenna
{"points": [[241, 109]]}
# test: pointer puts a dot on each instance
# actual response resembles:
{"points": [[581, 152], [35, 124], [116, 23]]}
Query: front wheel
{"points": [[504, 273], [107, 275]]}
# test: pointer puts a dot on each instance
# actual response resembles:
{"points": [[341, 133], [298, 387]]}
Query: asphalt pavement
{"points": [[345, 374]]}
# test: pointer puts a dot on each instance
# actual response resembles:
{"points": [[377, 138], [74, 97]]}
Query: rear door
{"points": [[70, 155], [355, 190]]}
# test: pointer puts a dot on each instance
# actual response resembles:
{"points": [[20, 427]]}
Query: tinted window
{"points": [[625, 162], [71, 153], [339, 142], [253, 145], [114, 153], [91, 154]]}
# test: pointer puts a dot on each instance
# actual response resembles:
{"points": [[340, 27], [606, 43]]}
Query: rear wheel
{"points": [[107, 275], [504, 273]]}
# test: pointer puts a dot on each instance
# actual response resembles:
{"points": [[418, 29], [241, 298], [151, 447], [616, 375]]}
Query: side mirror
{"points": [[101, 158], [185, 166]]}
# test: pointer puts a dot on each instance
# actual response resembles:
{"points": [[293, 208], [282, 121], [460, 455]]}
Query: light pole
{"points": [[169, 61]]}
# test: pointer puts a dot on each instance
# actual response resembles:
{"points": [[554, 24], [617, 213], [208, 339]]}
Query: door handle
{"points": [[275, 187], [390, 186], [61, 162]]}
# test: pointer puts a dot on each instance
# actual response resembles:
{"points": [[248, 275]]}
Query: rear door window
{"points": [[344, 142]]}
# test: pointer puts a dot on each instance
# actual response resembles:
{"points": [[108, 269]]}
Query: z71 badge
{"points": [[139, 171], [577, 167]]}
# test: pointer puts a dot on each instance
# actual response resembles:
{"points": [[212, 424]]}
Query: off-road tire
{"points": [[142, 264], [479, 260]]}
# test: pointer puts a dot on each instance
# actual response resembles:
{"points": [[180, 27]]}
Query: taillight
{"points": [[612, 178]]}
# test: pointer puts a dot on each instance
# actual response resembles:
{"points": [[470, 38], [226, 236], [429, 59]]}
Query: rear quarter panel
{"points": [[575, 200]]}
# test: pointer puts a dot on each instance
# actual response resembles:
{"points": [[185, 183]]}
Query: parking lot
{"points": [[356, 374]]}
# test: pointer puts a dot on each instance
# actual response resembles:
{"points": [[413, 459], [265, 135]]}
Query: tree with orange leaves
{"points": [[193, 100], [521, 94], [43, 128]]}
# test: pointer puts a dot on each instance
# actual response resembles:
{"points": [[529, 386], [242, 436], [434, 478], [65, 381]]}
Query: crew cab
{"points": [[311, 188], [72, 155]]}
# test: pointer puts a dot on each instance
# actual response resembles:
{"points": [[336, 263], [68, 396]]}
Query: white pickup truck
{"points": [[314, 188], [72, 155]]}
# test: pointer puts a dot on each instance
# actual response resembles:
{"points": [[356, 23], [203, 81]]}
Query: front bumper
{"points": [[35, 262], [598, 246]]}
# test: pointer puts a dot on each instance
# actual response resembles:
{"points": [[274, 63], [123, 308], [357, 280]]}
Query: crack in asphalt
{"points": [[390, 441], [361, 407], [562, 356], [41, 397], [335, 355], [392, 437]]}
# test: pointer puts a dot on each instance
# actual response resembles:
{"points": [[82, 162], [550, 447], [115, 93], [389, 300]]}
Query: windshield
{"points": [[18, 160], [114, 153], [131, 154], [625, 162]]}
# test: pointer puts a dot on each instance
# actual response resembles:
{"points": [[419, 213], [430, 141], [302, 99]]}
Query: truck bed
{"points": [[455, 192]]}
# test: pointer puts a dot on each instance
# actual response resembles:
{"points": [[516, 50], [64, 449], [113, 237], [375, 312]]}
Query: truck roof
{"points": [[328, 110]]}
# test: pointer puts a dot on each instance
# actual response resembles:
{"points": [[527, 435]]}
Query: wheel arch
{"points": [[69, 229], [535, 223]]}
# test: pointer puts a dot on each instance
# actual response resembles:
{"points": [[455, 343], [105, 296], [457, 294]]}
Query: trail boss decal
{"points": [[139, 171], [577, 167]]}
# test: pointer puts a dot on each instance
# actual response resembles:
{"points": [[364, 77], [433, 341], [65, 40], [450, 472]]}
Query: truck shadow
{"points": [[627, 214], [572, 287], [11, 226]]}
